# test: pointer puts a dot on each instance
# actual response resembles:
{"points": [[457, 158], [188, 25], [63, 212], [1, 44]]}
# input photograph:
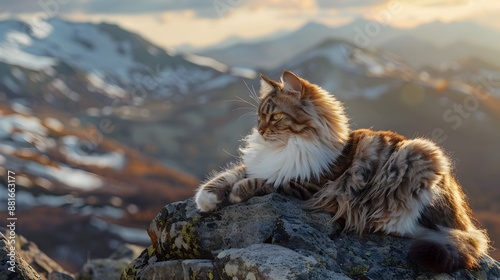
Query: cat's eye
{"points": [[276, 117]]}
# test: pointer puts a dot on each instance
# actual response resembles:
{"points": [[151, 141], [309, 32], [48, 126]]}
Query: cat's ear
{"points": [[266, 85], [291, 83]]}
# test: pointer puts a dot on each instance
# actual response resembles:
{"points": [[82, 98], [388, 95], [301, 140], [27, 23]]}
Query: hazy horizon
{"points": [[199, 24]]}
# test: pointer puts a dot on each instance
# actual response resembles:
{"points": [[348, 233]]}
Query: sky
{"points": [[201, 23]]}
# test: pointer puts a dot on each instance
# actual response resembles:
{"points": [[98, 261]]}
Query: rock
{"points": [[126, 251], [272, 237], [57, 275], [164, 270], [269, 261], [112, 267], [31, 263], [22, 269], [199, 269]]}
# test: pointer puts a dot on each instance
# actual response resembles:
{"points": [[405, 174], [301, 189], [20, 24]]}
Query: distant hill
{"points": [[420, 53], [271, 51], [445, 33], [432, 43], [416, 52]]}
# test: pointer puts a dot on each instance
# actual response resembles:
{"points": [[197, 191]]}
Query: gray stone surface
{"points": [[57, 275], [168, 270], [199, 269], [272, 237], [22, 271], [30, 262]]}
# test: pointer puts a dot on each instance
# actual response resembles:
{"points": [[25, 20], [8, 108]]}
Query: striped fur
{"points": [[373, 180]]}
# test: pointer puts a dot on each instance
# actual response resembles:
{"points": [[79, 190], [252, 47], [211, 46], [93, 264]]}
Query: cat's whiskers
{"points": [[245, 114], [234, 156], [243, 108], [239, 99], [252, 93]]}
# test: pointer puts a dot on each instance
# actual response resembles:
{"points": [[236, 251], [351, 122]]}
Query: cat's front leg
{"points": [[247, 188], [215, 190]]}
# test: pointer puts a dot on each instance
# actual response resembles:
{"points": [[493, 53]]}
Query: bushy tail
{"points": [[448, 250]]}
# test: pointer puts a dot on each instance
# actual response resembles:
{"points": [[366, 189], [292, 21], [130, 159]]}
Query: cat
{"points": [[376, 181]]}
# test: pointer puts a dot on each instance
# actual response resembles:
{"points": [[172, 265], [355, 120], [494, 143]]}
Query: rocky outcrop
{"points": [[32, 264], [272, 237], [27, 261]]}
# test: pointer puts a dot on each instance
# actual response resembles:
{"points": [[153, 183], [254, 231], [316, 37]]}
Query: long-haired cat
{"points": [[374, 180]]}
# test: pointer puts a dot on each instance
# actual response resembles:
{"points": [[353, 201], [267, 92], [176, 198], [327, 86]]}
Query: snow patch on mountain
{"points": [[10, 123], [73, 149], [74, 178], [14, 56]]}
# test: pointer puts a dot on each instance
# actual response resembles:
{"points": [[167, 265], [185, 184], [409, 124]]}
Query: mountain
{"points": [[272, 51], [231, 41], [422, 45], [446, 33], [416, 52], [420, 53], [113, 62]]}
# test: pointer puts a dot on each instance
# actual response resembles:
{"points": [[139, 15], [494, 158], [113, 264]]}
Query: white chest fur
{"points": [[279, 164]]}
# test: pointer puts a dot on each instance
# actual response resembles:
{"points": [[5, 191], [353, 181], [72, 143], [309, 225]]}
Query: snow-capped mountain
{"points": [[72, 58]]}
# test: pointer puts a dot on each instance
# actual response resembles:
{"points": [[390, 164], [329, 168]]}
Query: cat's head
{"points": [[295, 107]]}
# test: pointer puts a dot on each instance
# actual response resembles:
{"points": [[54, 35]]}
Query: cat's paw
{"points": [[235, 194], [247, 188], [207, 201]]}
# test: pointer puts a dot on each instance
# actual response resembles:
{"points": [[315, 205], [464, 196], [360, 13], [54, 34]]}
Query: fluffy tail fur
{"points": [[447, 250]]}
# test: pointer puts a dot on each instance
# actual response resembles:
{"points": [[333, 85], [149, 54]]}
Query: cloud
{"points": [[208, 9], [202, 8], [434, 3], [339, 4]]}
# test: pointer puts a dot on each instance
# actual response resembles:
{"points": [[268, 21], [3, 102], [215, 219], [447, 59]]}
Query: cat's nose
{"points": [[261, 131]]}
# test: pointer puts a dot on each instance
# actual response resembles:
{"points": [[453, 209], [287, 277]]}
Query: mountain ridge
{"points": [[437, 33]]}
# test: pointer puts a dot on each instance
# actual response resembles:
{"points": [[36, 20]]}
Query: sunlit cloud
{"points": [[284, 5], [414, 13], [433, 3]]}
